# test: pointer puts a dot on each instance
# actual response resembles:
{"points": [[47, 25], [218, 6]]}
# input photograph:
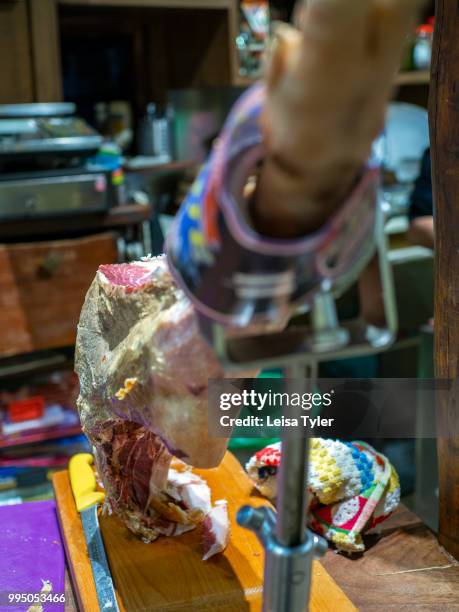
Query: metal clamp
{"points": [[324, 340], [287, 568]]}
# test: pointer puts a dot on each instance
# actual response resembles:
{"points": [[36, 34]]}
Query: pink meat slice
{"points": [[131, 276]]}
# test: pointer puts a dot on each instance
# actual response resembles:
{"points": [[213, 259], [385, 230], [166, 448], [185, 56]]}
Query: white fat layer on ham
{"points": [[189, 488], [217, 527]]}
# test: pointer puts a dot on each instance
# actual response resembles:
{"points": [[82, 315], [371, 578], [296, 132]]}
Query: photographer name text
{"points": [[269, 421]]}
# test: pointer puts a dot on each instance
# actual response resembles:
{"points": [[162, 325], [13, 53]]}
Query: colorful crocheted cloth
{"points": [[352, 488]]}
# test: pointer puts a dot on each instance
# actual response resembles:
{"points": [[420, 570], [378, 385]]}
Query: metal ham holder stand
{"points": [[289, 546]]}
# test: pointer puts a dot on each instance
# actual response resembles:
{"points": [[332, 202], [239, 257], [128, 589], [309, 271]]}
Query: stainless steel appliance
{"points": [[43, 153], [27, 129], [31, 194]]}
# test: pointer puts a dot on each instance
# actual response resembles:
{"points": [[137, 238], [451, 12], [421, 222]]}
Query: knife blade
{"points": [[83, 484]]}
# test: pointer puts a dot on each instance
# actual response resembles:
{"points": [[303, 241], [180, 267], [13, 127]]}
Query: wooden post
{"points": [[444, 133], [44, 36]]}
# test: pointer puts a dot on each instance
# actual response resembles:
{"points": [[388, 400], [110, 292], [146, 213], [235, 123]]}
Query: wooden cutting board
{"points": [[169, 574]]}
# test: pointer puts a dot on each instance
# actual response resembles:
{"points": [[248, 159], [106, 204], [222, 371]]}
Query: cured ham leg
{"points": [[140, 357], [143, 371]]}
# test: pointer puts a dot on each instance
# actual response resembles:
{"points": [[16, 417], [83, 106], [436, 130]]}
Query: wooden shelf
{"points": [[41, 362], [415, 77], [191, 4], [118, 216], [128, 214], [243, 81], [39, 435], [173, 166]]}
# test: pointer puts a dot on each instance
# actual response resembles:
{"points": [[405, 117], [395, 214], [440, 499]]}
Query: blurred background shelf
{"points": [[44, 38], [142, 165], [41, 435], [411, 77], [186, 4], [415, 77], [118, 216]]}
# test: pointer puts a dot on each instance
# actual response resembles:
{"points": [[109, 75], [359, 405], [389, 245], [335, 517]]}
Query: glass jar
{"points": [[422, 50], [252, 37]]}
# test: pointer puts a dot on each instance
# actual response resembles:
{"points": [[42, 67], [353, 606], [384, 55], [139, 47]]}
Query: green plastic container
{"points": [[256, 444]]}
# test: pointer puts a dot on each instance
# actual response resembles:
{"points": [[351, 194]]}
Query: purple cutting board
{"points": [[31, 551]]}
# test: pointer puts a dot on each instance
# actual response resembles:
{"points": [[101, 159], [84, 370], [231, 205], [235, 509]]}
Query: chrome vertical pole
{"points": [[289, 547]]}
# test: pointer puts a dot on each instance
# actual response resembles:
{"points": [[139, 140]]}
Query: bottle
{"points": [[155, 134], [422, 50]]}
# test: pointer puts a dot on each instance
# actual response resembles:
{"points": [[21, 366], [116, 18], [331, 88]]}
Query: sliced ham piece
{"points": [[143, 369], [190, 489], [216, 529]]}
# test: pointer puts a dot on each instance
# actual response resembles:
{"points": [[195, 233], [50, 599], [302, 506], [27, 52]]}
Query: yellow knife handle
{"points": [[83, 482]]}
